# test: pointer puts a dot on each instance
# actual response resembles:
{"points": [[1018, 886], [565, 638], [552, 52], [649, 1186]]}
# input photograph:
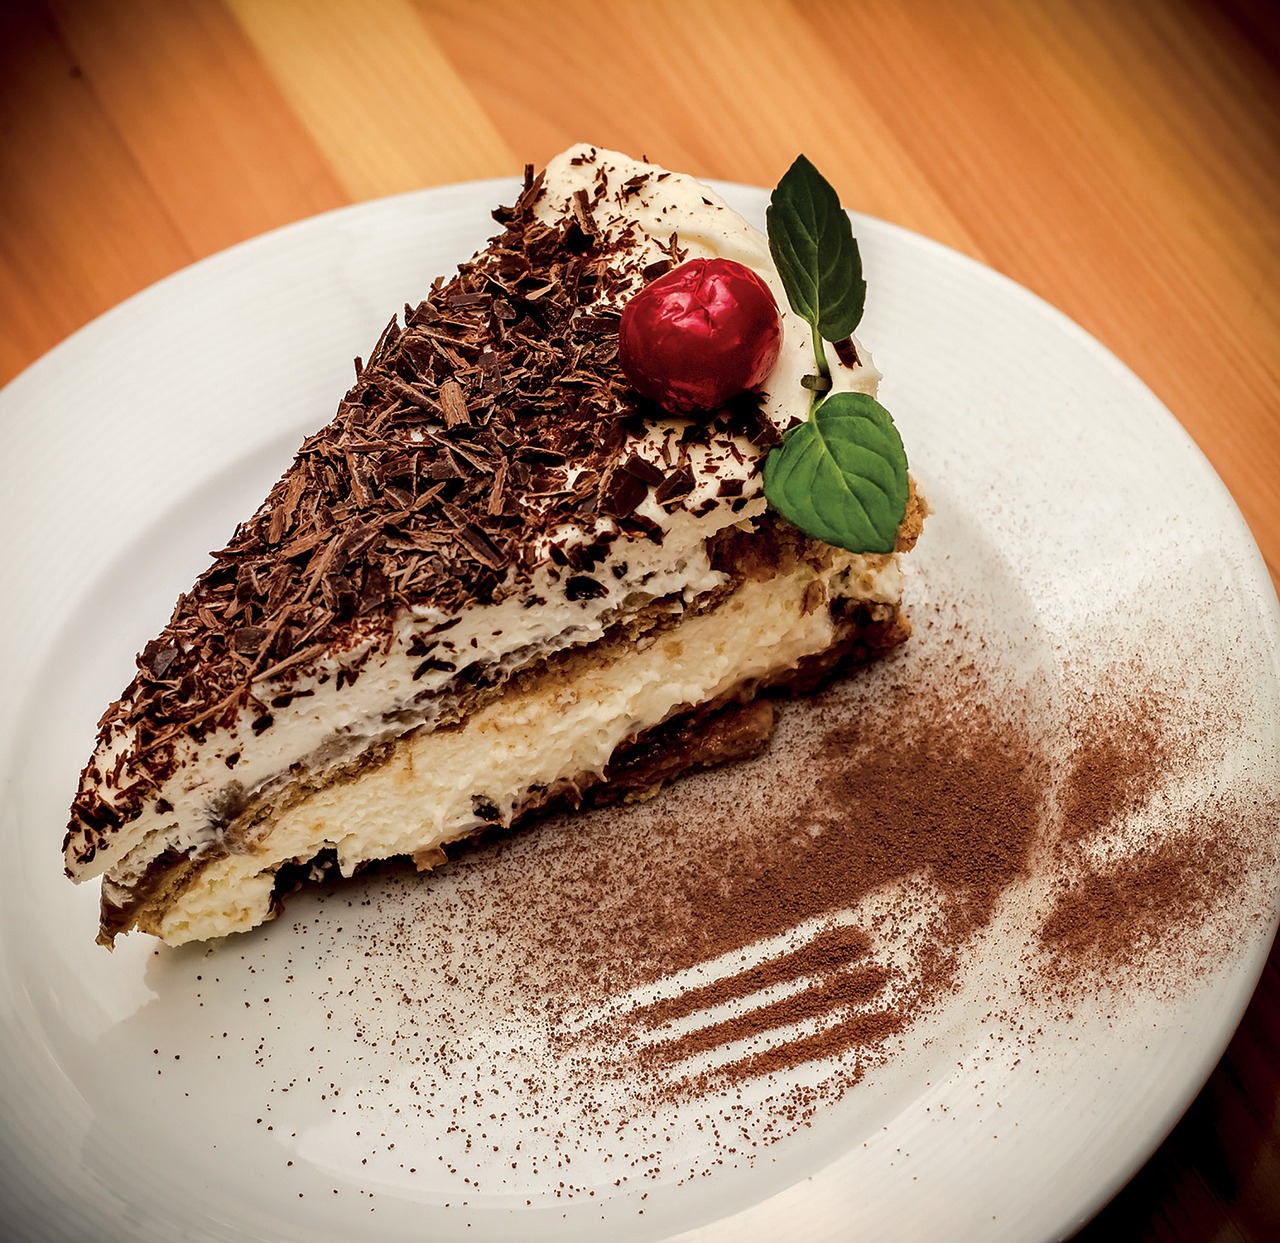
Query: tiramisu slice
{"points": [[502, 579]]}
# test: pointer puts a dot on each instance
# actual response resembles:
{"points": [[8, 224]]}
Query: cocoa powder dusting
{"points": [[642, 995], [1138, 874], [832, 951], [1107, 925], [917, 792], [1123, 750]]}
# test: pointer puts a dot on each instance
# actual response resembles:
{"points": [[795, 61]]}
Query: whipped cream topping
{"points": [[666, 205], [395, 674]]}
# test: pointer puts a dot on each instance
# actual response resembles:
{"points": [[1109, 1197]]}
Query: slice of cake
{"points": [[500, 580]]}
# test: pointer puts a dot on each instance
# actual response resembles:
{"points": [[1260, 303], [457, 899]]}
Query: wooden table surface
{"points": [[1121, 159]]}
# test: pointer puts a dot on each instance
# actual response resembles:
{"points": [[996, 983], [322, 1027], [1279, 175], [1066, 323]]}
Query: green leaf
{"points": [[815, 252], [841, 476]]}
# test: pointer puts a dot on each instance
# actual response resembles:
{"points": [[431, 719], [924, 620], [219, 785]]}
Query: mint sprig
{"points": [[841, 476]]}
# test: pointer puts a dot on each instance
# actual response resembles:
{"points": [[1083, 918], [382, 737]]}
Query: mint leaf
{"points": [[815, 252], [841, 476]]}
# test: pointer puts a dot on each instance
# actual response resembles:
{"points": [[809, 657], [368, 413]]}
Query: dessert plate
{"points": [[1046, 834]]}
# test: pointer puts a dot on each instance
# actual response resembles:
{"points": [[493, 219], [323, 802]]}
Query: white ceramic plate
{"points": [[238, 1094]]}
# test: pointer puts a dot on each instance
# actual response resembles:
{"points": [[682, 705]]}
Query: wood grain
{"points": [[1120, 159], [351, 71]]}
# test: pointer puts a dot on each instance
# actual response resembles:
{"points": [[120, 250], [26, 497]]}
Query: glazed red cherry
{"points": [[700, 335]]}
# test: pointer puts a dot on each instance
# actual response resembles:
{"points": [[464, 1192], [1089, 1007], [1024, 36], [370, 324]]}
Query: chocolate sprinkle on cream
{"points": [[493, 416]]}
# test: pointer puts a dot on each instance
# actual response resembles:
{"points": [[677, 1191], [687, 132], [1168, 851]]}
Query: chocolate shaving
{"points": [[596, 323], [633, 185], [490, 371], [453, 403], [582, 213], [583, 587], [157, 657], [480, 546], [847, 352], [248, 640], [497, 496], [620, 493], [409, 393], [676, 485], [643, 470]]}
